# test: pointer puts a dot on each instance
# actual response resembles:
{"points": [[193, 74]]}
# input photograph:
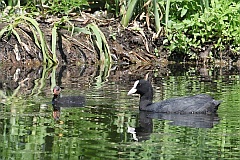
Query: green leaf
{"points": [[167, 12], [82, 30], [54, 42], [34, 36], [17, 36], [101, 43], [5, 29], [156, 15], [129, 12], [42, 39], [183, 11]]}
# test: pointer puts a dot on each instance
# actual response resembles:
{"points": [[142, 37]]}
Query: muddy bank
{"points": [[126, 45], [135, 44]]}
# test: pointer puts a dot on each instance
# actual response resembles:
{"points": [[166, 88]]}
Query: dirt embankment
{"points": [[126, 45]]}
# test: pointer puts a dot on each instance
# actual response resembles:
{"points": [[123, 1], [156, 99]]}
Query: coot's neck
{"points": [[146, 100], [55, 96], [54, 102]]}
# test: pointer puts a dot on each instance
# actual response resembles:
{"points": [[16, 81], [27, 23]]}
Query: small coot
{"points": [[200, 103], [68, 101]]}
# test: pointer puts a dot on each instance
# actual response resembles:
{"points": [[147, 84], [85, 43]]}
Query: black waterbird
{"points": [[201, 103]]}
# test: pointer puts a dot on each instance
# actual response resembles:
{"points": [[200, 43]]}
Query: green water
{"points": [[100, 130]]}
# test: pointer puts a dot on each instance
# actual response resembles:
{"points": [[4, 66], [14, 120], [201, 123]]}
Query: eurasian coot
{"points": [[68, 101], [200, 103]]}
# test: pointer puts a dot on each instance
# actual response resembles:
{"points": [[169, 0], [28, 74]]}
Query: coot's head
{"points": [[56, 90], [141, 87]]}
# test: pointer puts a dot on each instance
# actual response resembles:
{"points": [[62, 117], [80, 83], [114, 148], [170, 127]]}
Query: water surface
{"points": [[110, 125]]}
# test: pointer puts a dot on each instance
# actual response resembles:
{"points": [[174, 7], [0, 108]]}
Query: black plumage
{"points": [[201, 103], [68, 101]]}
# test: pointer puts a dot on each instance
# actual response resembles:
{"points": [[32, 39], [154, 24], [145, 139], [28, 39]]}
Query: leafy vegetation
{"points": [[191, 26], [215, 25], [32, 24], [187, 26], [28, 22], [101, 43]]}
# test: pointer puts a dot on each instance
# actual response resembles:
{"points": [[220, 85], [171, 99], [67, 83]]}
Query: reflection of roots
{"points": [[71, 76], [82, 76], [24, 76], [68, 76]]}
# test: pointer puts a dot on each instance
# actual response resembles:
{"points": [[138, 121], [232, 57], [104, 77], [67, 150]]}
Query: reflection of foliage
{"points": [[187, 26]]}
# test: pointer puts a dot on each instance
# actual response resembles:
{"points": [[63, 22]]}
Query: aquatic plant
{"points": [[33, 26], [130, 8], [129, 12], [99, 41], [29, 28]]}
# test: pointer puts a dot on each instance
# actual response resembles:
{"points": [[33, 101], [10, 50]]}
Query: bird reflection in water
{"points": [[145, 128], [59, 102], [56, 112]]}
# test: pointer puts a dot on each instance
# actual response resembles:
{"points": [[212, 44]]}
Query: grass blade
{"points": [[156, 15], [101, 42], [5, 29], [54, 42], [98, 42], [42, 40], [126, 18], [17, 36], [167, 12]]}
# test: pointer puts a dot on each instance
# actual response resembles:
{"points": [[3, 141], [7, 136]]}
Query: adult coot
{"points": [[201, 103]]}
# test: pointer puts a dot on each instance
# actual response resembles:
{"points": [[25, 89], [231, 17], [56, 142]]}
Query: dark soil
{"points": [[126, 45]]}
